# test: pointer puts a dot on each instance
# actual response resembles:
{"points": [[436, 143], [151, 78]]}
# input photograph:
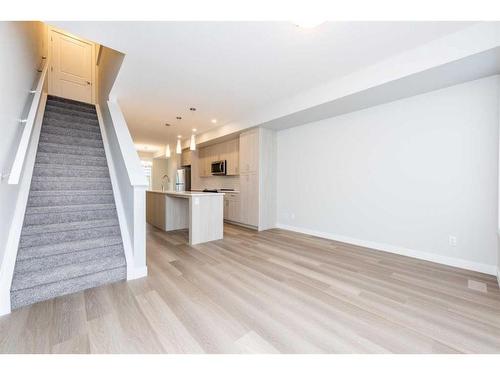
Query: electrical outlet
{"points": [[452, 240]]}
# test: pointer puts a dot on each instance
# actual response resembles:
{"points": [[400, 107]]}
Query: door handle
{"points": [[88, 83]]}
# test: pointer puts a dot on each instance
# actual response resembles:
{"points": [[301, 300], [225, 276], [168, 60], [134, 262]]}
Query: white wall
{"points": [[20, 55], [402, 176]]}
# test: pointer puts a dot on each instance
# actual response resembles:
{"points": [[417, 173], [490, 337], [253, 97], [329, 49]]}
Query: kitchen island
{"points": [[202, 213]]}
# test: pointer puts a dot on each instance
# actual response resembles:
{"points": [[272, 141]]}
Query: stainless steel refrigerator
{"points": [[183, 179]]}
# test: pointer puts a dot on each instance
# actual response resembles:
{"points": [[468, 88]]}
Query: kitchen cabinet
{"points": [[249, 152], [211, 156], [204, 162], [249, 177], [155, 210], [249, 199], [227, 150], [232, 207], [231, 155], [252, 157], [186, 157]]}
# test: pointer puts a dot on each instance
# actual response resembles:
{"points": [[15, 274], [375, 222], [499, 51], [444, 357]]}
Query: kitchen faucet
{"points": [[168, 181]]}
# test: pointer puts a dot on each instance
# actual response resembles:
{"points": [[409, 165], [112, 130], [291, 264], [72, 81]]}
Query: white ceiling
{"points": [[230, 70]]}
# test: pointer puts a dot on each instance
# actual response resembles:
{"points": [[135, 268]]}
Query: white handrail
{"points": [[17, 166]]}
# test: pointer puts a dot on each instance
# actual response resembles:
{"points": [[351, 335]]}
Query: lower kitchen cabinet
{"points": [[232, 207], [249, 199], [155, 209]]}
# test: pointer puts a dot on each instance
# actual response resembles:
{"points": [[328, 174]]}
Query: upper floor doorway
{"points": [[72, 67]]}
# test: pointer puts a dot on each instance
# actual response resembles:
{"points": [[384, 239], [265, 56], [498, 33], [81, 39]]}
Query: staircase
{"points": [[70, 240]]}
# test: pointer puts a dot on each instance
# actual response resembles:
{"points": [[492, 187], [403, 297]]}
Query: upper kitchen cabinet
{"points": [[204, 161], [186, 157], [231, 155], [249, 151], [227, 150]]}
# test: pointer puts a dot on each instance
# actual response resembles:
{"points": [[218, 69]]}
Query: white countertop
{"points": [[184, 194], [220, 190]]}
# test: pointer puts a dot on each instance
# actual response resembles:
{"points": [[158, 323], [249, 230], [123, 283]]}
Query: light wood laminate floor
{"points": [[269, 292]]}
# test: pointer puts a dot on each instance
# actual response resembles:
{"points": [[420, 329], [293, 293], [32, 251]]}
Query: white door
{"points": [[71, 64]]}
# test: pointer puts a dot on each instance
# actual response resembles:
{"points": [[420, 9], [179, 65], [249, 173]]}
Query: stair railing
{"points": [[28, 123]]}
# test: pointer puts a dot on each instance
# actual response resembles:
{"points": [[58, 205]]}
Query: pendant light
{"points": [[167, 151], [178, 148], [192, 143]]}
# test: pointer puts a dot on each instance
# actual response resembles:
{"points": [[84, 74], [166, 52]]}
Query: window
{"points": [[146, 164]]}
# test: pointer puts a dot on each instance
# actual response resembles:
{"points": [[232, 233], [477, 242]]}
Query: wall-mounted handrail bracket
{"points": [[28, 122]]}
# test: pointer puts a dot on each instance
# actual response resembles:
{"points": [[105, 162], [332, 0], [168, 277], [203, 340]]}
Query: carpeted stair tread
{"points": [[45, 183], [65, 197], [47, 229], [68, 216], [57, 148], [59, 130], [62, 159], [70, 101], [23, 280], [58, 99], [59, 260], [78, 107], [71, 141], [72, 125], [54, 170], [41, 251], [68, 236], [25, 297], [67, 117], [42, 193], [69, 208], [75, 112]]}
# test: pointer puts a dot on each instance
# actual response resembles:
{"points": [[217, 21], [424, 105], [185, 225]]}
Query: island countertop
{"points": [[184, 194], [200, 212]]}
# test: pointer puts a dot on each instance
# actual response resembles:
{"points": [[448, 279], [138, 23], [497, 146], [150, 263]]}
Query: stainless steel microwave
{"points": [[219, 167]]}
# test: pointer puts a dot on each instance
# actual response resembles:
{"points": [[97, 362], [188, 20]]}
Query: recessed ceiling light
{"points": [[179, 118], [179, 136], [214, 121], [194, 130]]}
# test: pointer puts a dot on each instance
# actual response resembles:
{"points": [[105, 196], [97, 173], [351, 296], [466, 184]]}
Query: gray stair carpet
{"points": [[70, 240]]}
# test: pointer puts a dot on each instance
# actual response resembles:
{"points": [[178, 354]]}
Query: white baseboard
{"points": [[449, 261], [136, 273]]}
